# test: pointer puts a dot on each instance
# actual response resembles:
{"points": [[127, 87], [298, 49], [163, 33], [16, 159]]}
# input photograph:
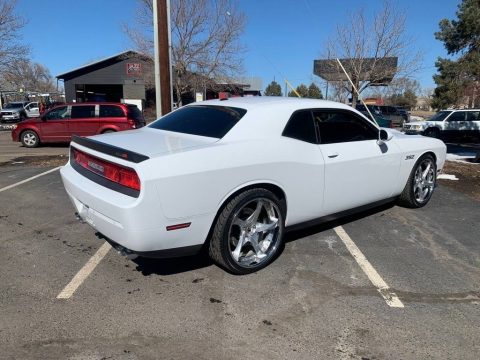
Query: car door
{"points": [[54, 124], [455, 125], [358, 171], [32, 109], [472, 125], [84, 120]]}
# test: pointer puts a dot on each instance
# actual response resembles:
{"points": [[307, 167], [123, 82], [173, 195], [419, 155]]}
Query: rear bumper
{"points": [[10, 119], [136, 224], [155, 254]]}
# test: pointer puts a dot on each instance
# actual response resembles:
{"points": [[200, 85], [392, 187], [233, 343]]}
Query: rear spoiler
{"points": [[110, 149]]}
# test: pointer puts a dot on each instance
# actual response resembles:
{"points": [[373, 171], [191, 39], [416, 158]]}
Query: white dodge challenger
{"points": [[231, 175]]}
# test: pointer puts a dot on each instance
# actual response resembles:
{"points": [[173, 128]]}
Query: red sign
{"points": [[134, 69]]}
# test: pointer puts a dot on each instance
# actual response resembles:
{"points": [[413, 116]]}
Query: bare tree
{"points": [[205, 41], [31, 77], [399, 85], [11, 49], [369, 43]]}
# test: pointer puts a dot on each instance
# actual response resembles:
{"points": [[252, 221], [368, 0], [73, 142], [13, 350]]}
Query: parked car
{"points": [[379, 119], [18, 111], [448, 125], [84, 119], [396, 114], [383, 122], [374, 109], [232, 174], [404, 113]]}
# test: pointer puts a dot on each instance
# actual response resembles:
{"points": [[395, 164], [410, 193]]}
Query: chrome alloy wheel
{"points": [[29, 139], [254, 232], [424, 180]]}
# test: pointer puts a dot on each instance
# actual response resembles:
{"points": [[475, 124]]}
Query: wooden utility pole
{"points": [[161, 28]]}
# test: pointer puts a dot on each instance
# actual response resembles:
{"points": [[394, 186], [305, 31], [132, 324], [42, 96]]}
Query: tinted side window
{"points": [[58, 113], [343, 126], [301, 127], [210, 121], [83, 111], [135, 113], [111, 111], [473, 116], [457, 116]]}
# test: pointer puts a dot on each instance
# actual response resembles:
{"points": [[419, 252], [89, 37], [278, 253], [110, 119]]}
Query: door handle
{"points": [[333, 155]]}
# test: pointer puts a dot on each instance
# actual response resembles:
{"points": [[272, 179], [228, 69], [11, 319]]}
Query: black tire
{"points": [[222, 241], [108, 131], [410, 197], [29, 139], [432, 132]]}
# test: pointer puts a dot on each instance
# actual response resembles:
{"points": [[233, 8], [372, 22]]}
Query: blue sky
{"points": [[282, 37]]}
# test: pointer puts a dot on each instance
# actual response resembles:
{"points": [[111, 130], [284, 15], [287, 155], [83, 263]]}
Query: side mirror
{"points": [[383, 136]]}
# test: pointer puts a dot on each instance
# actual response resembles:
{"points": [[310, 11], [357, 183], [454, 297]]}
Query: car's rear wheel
{"points": [[249, 231], [29, 139], [108, 131], [420, 184]]}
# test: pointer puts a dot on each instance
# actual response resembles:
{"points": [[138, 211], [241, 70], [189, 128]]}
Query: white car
{"points": [[448, 125], [232, 174]]}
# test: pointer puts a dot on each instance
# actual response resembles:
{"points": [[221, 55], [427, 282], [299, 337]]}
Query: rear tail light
{"points": [[119, 174], [132, 123]]}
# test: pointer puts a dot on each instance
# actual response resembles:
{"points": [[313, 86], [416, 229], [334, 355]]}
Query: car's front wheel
{"points": [[420, 184], [30, 139], [249, 231]]}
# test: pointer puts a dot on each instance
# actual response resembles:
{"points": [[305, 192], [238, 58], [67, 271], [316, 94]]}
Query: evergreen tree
{"points": [[301, 89], [460, 78], [273, 89], [314, 92]]}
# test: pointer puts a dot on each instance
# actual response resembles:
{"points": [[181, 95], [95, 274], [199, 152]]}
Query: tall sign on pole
{"points": [[161, 30]]}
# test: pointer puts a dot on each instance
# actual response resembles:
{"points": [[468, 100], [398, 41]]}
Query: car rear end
{"points": [[111, 190], [135, 116]]}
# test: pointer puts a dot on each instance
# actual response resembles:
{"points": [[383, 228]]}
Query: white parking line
{"points": [[390, 297], [29, 179], [80, 277]]}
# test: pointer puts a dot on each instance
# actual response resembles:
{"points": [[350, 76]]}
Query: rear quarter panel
{"points": [[197, 182]]}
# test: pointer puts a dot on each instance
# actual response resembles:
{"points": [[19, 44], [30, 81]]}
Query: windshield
{"points": [[440, 116], [210, 121], [14, 106]]}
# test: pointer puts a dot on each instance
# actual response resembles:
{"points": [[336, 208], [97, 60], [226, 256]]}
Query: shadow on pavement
{"points": [[172, 266], [331, 222]]}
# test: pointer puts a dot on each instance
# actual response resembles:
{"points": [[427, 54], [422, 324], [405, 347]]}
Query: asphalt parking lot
{"points": [[314, 302]]}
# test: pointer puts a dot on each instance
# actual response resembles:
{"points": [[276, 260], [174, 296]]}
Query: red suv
{"points": [[83, 119]]}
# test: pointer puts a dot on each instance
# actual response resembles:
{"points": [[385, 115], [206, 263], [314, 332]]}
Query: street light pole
{"points": [[161, 30]]}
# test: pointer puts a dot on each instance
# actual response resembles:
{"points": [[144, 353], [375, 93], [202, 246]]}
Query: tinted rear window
{"points": [[210, 121], [111, 111], [83, 111], [301, 127], [135, 113]]}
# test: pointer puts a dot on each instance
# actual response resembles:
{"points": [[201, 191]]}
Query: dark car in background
{"points": [[396, 114], [60, 123]]}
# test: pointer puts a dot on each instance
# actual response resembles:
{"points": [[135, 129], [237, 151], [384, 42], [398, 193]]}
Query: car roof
{"points": [[94, 103], [267, 115], [251, 102]]}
